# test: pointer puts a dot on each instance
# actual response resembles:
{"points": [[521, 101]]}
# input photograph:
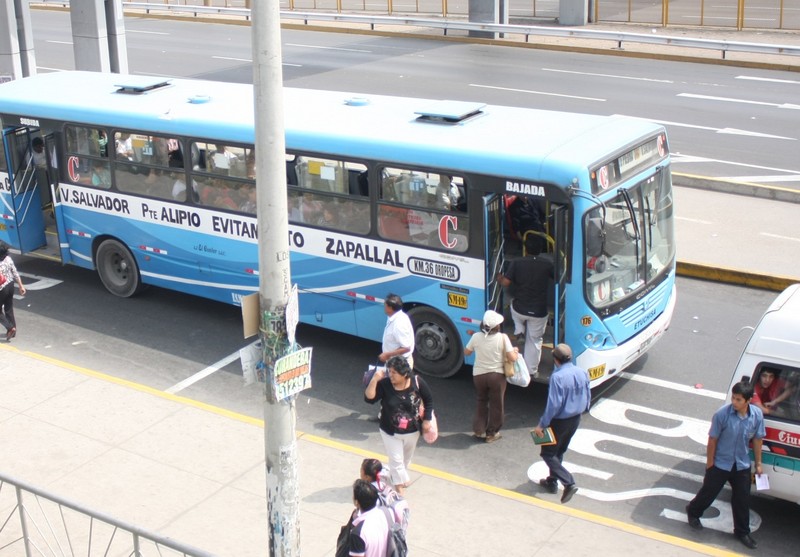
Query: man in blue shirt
{"points": [[728, 460], [568, 397]]}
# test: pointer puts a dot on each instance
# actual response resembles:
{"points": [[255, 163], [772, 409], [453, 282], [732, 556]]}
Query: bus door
{"points": [[493, 240], [24, 221], [560, 232]]}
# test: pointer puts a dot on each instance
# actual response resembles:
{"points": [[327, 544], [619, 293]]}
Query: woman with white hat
{"points": [[491, 349]]}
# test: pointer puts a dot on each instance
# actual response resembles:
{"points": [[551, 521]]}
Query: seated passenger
{"points": [[770, 390], [329, 218], [446, 194], [100, 175], [249, 205]]}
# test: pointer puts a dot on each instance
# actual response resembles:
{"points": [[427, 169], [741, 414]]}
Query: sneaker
{"points": [[493, 438], [550, 486], [569, 491], [694, 521], [479, 436]]}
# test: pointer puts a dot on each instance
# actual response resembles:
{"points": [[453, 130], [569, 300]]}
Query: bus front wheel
{"points": [[437, 350], [117, 269]]}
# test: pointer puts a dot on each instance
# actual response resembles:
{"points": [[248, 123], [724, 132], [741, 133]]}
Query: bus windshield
{"points": [[629, 241]]}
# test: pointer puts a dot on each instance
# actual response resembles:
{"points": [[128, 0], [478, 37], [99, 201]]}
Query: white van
{"points": [[771, 361]]}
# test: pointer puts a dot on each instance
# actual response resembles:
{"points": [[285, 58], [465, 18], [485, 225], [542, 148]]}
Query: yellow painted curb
{"points": [[432, 472]]}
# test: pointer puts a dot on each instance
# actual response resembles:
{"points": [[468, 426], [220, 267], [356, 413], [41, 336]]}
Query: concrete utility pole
{"points": [[283, 496]]}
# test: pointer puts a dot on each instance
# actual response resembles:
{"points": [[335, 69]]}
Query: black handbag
{"points": [[343, 541]]}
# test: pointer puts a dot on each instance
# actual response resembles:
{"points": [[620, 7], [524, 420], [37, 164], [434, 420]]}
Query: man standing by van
{"points": [[728, 460]]}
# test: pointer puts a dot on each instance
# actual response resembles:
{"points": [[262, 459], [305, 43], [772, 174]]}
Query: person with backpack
{"points": [[372, 471]]}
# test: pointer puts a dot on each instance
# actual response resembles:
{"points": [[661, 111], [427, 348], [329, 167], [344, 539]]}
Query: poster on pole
{"points": [[292, 374]]}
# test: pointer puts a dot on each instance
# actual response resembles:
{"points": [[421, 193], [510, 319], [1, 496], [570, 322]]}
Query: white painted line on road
{"points": [[231, 58], [328, 48], [146, 32], [674, 386], [732, 131], [779, 237], [689, 158], [770, 79], [698, 221], [59, 42], [610, 75], [511, 89], [744, 101], [203, 374]]}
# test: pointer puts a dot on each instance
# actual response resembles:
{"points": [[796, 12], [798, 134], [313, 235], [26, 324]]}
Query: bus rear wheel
{"points": [[437, 350], [117, 269]]}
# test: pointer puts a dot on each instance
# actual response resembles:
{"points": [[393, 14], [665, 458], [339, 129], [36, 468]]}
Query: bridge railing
{"points": [[449, 25], [38, 522]]}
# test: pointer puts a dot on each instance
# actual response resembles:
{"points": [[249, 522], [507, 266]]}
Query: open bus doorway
{"points": [[28, 216], [543, 224]]}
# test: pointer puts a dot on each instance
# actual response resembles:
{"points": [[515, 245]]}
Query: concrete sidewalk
{"points": [[196, 473]]}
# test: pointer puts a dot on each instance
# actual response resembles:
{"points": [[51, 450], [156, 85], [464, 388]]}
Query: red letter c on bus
{"points": [[444, 236]]}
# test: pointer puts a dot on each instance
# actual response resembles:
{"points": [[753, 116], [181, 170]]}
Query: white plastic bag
{"points": [[521, 377]]}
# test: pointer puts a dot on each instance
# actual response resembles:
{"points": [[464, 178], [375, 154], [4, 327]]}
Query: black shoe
{"points": [[569, 491], [747, 540], [694, 521], [550, 486]]}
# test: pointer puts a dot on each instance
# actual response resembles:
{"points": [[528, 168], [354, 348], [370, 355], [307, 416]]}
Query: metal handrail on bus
{"points": [[446, 25], [52, 530]]}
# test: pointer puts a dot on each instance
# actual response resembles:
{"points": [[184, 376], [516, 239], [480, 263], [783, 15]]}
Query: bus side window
{"points": [[87, 156]]}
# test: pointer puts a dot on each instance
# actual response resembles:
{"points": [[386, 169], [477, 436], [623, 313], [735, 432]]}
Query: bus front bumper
{"points": [[603, 365]]}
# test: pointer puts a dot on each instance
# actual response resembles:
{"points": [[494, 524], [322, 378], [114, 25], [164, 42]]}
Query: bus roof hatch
{"points": [[449, 112], [135, 85]]}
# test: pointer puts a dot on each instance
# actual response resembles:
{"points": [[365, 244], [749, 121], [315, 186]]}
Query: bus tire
{"points": [[117, 269], [437, 351]]}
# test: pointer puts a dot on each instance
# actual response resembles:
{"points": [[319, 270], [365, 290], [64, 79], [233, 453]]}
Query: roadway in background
{"points": [[724, 122]]}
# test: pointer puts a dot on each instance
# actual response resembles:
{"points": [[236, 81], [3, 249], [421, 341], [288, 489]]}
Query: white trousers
{"points": [[533, 327], [400, 449]]}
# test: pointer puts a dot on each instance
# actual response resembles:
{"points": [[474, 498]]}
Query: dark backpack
{"points": [[396, 546]]}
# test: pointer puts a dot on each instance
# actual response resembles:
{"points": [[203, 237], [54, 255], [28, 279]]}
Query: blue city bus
{"points": [[151, 181]]}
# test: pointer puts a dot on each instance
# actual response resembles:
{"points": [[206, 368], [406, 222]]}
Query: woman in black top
{"points": [[401, 394]]}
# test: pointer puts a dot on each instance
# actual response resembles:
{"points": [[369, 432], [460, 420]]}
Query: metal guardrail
{"points": [[527, 31], [52, 525]]}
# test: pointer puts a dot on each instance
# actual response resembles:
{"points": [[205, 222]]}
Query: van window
{"points": [[776, 391]]}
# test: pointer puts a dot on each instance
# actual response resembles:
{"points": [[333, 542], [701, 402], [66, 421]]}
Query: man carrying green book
{"points": [[568, 397]]}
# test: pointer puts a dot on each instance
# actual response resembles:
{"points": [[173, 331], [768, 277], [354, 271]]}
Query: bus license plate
{"points": [[456, 300], [596, 372]]}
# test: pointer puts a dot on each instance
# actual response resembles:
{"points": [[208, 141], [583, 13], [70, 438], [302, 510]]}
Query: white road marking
{"points": [[674, 386], [615, 412], [586, 442], [59, 42], [779, 237], [203, 374], [743, 101], [512, 90], [609, 75], [689, 158], [730, 131], [328, 47], [146, 32], [770, 79], [698, 221], [231, 58]]}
